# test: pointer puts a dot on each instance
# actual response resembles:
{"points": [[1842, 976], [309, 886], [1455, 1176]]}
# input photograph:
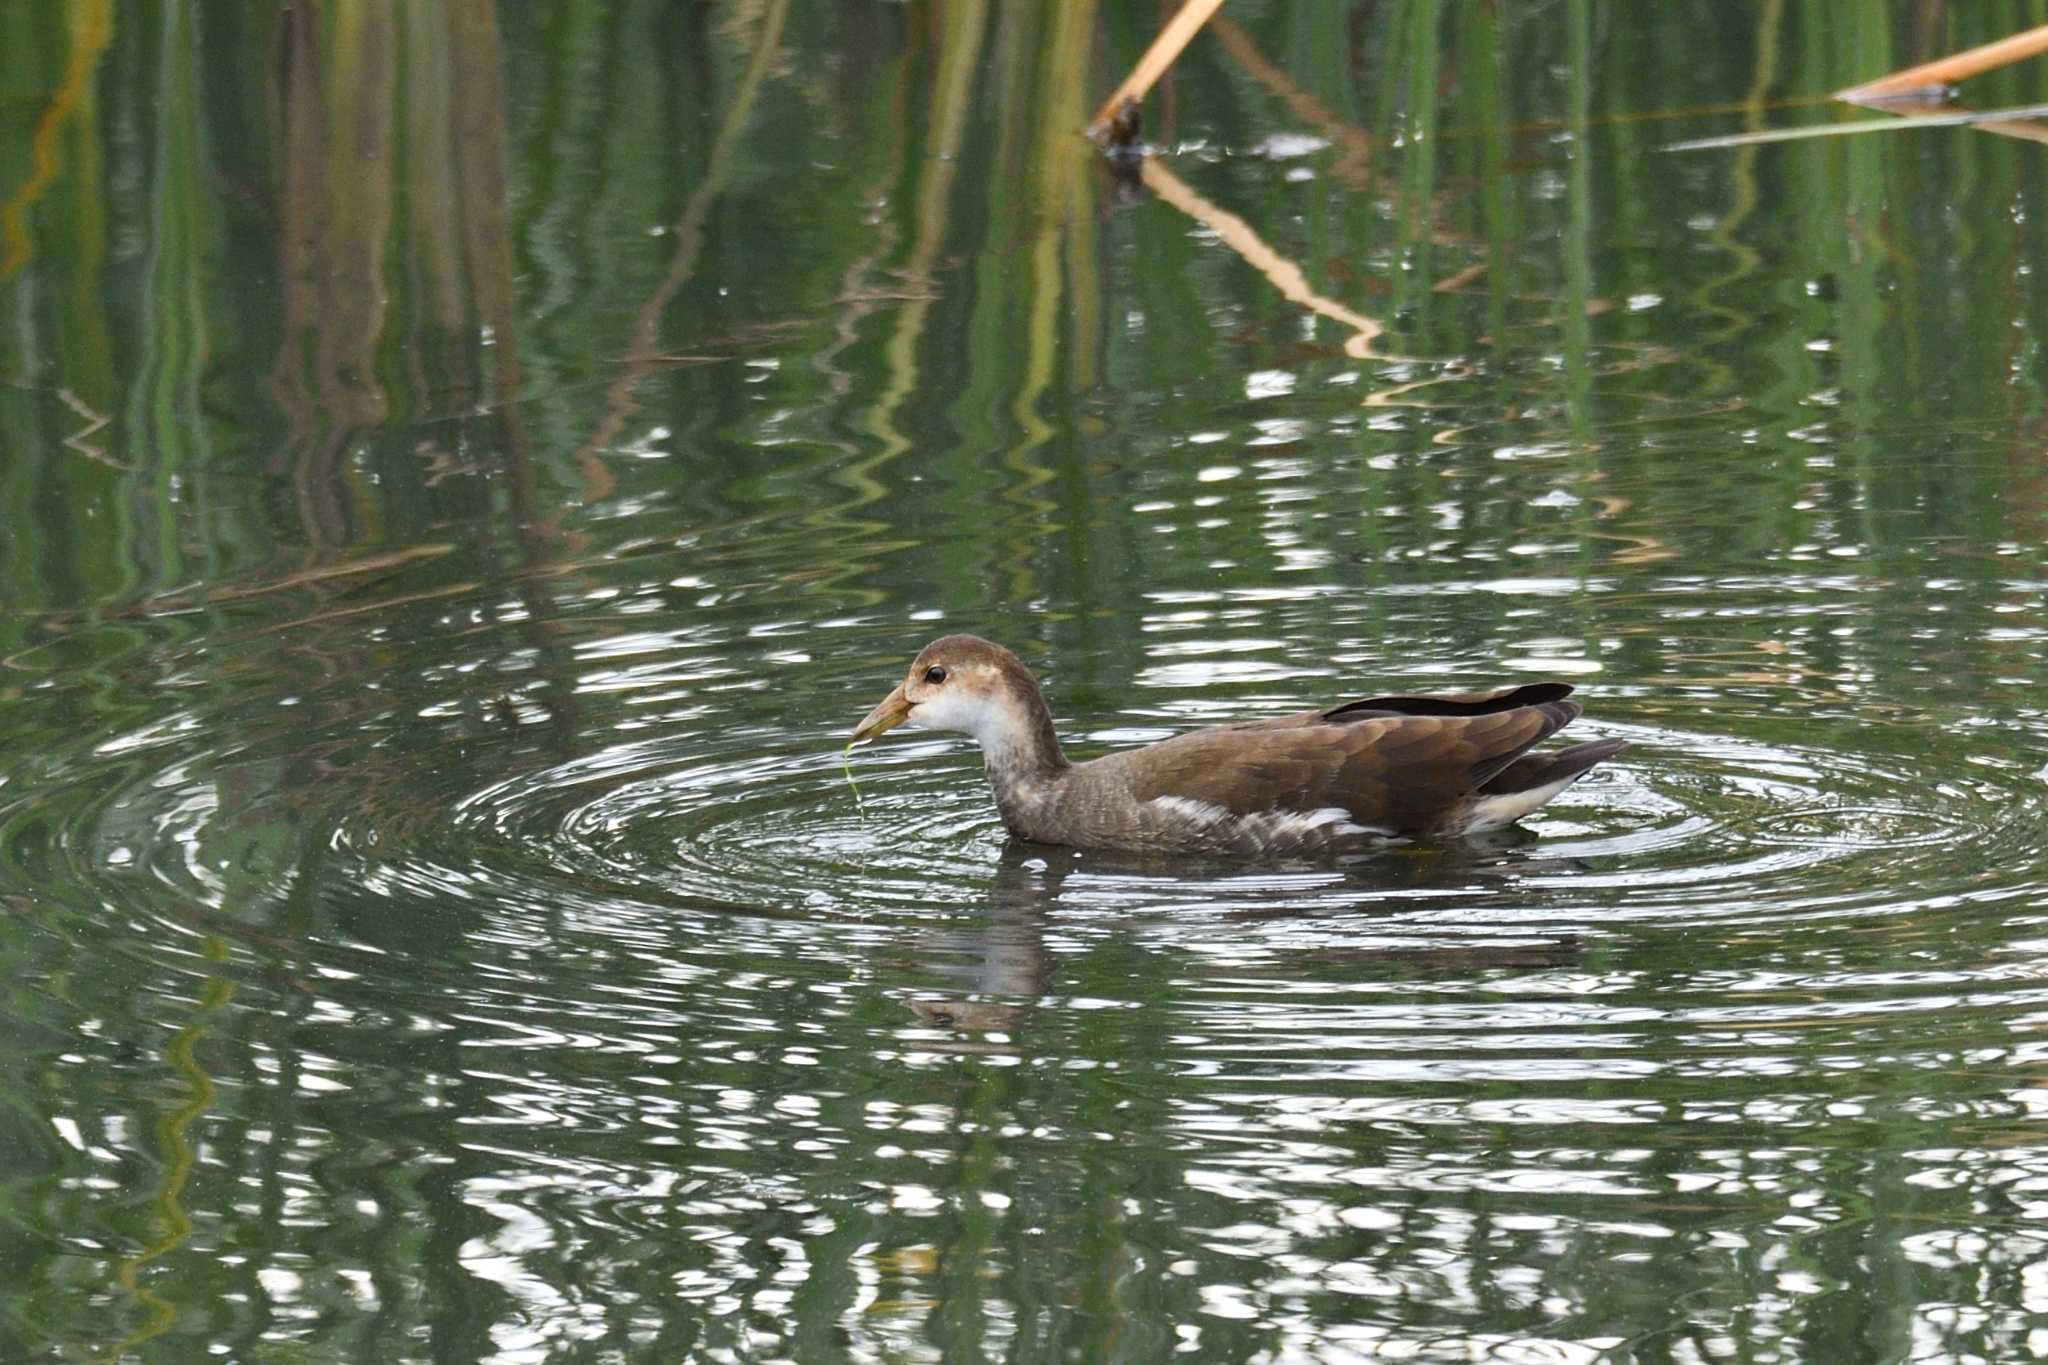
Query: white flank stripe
{"points": [[1494, 811]]}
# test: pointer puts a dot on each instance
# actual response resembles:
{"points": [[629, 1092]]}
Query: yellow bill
{"points": [[889, 713]]}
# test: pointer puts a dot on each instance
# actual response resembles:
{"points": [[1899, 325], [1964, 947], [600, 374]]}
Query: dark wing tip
{"points": [[1555, 715], [1454, 704], [1561, 765]]}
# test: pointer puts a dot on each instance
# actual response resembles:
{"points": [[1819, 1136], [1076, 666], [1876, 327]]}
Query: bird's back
{"points": [[1375, 768]]}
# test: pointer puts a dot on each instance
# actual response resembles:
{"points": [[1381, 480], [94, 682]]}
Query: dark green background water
{"points": [[464, 468]]}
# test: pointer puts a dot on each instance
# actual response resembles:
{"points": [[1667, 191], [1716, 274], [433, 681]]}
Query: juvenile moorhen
{"points": [[1317, 781]]}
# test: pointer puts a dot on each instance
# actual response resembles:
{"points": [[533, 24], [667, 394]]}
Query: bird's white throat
{"points": [[1002, 728]]}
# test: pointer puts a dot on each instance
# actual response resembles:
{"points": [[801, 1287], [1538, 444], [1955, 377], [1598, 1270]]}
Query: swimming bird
{"points": [[1318, 781]]}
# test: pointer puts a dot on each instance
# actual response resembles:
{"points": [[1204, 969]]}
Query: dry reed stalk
{"points": [[1355, 165], [1284, 274], [2027, 129], [1949, 70], [1903, 117], [1178, 33]]}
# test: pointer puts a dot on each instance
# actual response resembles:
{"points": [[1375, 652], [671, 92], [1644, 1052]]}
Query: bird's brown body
{"points": [[1316, 781]]}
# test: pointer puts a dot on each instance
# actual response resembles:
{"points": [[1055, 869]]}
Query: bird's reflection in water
{"points": [[1000, 963], [999, 968]]}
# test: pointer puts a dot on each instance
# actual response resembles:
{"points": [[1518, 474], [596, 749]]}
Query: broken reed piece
{"points": [[1936, 75], [1121, 133], [1178, 33], [1125, 150]]}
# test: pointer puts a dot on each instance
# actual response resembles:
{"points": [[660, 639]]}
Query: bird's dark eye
{"points": [[935, 675]]}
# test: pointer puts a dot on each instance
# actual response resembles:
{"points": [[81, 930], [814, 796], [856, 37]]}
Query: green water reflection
{"points": [[468, 465]]}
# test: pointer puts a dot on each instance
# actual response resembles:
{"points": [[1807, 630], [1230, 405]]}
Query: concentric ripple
{"points": [[1688, 826], [771, 824], [1750, 831]]}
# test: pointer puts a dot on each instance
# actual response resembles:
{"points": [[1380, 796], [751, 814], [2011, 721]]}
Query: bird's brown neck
{"points": [[1025, 768], [1024, 750]]}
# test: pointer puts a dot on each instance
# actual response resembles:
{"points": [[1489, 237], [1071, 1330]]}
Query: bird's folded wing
{"points": [[1399, 772]]}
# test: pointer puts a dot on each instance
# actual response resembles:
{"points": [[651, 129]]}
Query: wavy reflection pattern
{"points": [[661, 1017]]}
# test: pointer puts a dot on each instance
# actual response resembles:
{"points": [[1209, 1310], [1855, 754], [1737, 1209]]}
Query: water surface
{"points": [[467, 471]]}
